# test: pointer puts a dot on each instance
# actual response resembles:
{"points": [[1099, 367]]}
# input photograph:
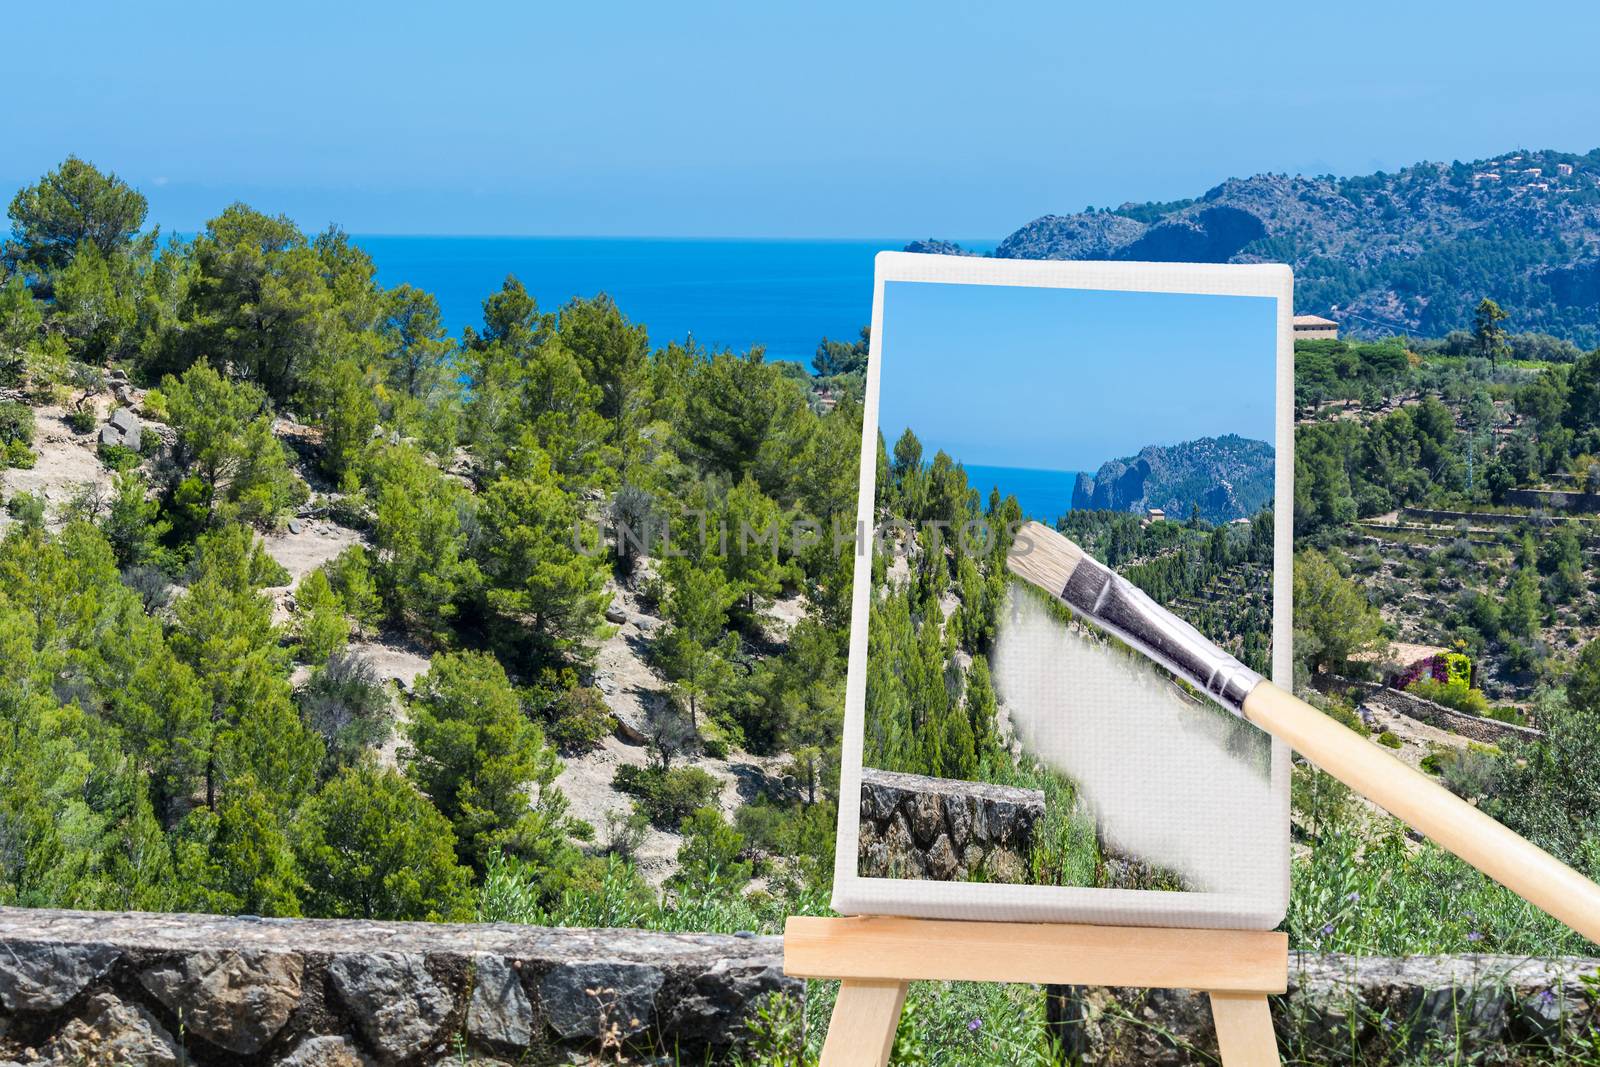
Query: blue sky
{"points": [[829, 118], [1065, 379]]}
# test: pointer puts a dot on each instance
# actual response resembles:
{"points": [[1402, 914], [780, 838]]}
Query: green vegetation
{"points": [[172, 744]]}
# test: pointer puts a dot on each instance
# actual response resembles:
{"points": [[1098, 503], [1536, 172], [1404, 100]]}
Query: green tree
{"points": [[1523, 611], [1332, 619], [1489, 338], [350, 577], [74, 205], [252, 868], [345, 410], [225, 442], [258, 306], [320, 627], [372, 847], [709, 867], [613, 354], [537, 579], [754, 525], [694, 649], [132, 524], [420, 569], [225, 634], [479, 758]]}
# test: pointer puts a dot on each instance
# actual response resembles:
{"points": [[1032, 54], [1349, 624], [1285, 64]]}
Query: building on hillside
{"points": [[1315, 328], [1155, 514], [1564, 170], [1486, 176]]}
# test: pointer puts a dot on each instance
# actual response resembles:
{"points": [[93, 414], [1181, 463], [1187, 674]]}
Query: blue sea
{"points": [[735, 293], [1044, 495]]}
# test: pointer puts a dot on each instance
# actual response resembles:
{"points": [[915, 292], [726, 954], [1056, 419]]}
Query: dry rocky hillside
{"points": [[69, 469]]}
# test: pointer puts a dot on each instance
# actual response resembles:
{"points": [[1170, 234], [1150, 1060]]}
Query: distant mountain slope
{"points": [[1228, 477], [1382, 253]]}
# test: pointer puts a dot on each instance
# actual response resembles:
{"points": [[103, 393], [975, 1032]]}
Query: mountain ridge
{"points": [[1225, 478], [1408, 252]]}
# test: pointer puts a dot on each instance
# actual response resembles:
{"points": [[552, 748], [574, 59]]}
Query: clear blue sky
{"points": [[1065, 379], [721, 118]]}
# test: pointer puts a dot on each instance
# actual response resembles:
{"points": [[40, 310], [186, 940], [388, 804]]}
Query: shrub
{"points": [[119, 458], [18, 455], [581, 721], [27, 509], [666, 797], [16, 423], [81, 420], [1452, 694], [1346, 715], [1389, 739], [1508, 713], [345, 702]]}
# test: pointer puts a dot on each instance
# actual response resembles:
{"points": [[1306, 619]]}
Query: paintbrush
{"points": [[1053, 563]]}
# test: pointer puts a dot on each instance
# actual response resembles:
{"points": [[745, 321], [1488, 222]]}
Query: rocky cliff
{"points": [[1229, 477], [1411, 251]]}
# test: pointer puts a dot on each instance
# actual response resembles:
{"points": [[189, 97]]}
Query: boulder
{"points": [[395, 1002], [42, 976], [327, 1050], [112, 1032], [499, 1012], [589, 998], [237, 1000]]}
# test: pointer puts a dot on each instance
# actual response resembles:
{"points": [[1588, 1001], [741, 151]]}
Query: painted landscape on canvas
{"points": [[1005, 741]]}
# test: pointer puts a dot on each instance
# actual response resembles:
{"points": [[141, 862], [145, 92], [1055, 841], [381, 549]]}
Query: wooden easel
{"points": [[876, 956]]}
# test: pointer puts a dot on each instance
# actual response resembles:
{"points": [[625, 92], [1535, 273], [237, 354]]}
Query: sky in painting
{"points": [[1065, 379], [833, 118]]}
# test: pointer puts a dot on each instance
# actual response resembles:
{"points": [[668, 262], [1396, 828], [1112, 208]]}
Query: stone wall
{"points": [[938, 828], [1553, 499], [1477, 727], [1340, 1009], [81, 987]]}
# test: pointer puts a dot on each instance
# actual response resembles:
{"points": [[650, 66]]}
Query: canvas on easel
{"points": [[1002, 759]]}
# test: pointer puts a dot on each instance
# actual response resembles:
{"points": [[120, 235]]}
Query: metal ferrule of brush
{"points": [[1118, 606]]}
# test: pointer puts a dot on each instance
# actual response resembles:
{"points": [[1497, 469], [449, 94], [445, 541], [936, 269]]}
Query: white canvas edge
{"points": [[855, 895]]}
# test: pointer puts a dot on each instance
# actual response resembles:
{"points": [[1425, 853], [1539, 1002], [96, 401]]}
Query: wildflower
{"points": [[1327, 928], [1352, 896], [1547, 996], [974, 1024], [1474, 936]]}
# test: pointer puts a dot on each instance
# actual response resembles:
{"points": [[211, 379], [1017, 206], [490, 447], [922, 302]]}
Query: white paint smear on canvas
{"points": [[1169, 782]]}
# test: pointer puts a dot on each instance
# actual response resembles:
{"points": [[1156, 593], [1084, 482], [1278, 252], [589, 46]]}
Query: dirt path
{"points": [[66, 463]]}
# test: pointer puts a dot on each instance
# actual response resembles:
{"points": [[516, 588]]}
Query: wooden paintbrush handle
{"points": [[1452, 823]]}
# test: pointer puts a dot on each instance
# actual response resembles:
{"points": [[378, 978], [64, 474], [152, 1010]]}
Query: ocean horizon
{"points": [[1043, 494], [782, 293]]}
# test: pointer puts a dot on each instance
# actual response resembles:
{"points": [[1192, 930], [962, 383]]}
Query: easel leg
{"points": [[1244, 1030], [864, 1020]]}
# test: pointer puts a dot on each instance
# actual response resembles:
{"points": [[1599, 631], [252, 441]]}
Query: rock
{"points": [[927, 818], [958, 817], [942, 860], [41, 976], [295, 526], [499, 1012], [587, 999], [708, 1010], [235, 1000], [905, 816], [111, 1032], [396, 1003], [109, 436], [905, 859], [325, 1051], [614, 613]]}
